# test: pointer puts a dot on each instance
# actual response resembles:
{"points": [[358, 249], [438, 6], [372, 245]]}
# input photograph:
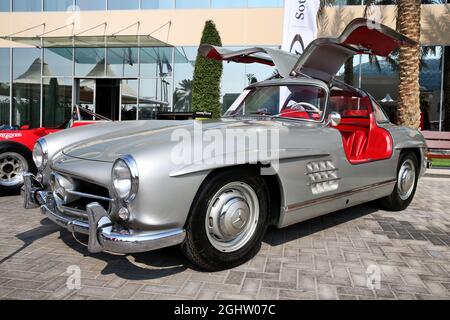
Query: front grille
{"points": [[93, 189], [83, 194]]}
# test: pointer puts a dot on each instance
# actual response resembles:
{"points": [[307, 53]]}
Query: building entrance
{"points": [[115, 99]]}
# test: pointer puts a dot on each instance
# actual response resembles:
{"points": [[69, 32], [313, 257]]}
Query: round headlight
{"points": [[40, 154], [125, 178]]}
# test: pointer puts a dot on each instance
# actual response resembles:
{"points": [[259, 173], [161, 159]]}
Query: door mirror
{"points": [[334, 119]]}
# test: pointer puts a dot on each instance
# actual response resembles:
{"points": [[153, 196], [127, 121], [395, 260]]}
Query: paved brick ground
{"points": [[326, 258]]}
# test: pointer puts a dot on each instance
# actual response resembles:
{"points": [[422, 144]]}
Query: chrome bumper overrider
{"points": [[102, 232]]}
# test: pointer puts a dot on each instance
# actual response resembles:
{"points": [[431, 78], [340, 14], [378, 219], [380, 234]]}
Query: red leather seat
{"points": [[365, 144], [359, 144], [355, 144], [355, 113]]}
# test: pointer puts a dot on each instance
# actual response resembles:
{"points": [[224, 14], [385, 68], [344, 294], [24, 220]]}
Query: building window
{"points": [[157, 4], [123, 5], [228, 3], [154, 95], [58, 62], [57, 5], [265, 3], [122, 62], [27, 5], [4, 6], [90, 62], [5, 85], [128, 100], [192, 4], [156, 62], [26, 87], [57, 101], [91, 4]]}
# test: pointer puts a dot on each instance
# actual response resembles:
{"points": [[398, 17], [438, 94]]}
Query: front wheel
{"points": [[227, 220], [405, 187], [13, 164]]}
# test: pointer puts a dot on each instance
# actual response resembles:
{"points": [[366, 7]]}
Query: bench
{"points": [[438, 144]]}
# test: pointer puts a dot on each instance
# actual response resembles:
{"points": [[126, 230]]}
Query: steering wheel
{"points": [[305, 105]]}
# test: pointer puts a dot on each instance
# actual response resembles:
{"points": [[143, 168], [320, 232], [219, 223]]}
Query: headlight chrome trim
{"points": [[134, 174], [44, 148]]}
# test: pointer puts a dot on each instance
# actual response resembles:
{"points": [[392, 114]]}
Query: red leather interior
{"points": [[364, 141], [292, 113], [380, 43], [355, 113]]}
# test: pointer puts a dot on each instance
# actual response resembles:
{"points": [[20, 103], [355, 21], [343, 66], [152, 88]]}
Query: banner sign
{"points": [[300, 24]]}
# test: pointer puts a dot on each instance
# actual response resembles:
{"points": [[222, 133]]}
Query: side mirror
{"points": [[334, 119]]}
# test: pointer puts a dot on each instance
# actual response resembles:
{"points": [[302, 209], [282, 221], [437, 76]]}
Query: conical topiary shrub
{"points": [[207, 75]]}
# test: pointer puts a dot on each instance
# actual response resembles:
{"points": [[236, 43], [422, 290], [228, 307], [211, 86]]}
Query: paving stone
{"points": [[324, 258], [127, 291], [22, 294], [235, 277], [190, 289]]}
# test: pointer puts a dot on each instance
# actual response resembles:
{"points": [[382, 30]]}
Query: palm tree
{"points": [[408, 23], [182, 97], [409, 59], [446, 87]]}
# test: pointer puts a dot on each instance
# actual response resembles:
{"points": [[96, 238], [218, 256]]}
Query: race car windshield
{"points": [[305, 102]]}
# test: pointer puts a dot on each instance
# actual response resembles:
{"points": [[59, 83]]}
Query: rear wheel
{"points": [[405, 187], [227, 221], [13, 163]]}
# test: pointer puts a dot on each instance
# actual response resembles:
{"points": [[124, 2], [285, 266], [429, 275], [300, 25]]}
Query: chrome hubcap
{"points": [[232, 217], [406, 179], [12, 167]]}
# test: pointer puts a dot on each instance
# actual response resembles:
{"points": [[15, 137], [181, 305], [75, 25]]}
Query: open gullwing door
{"points": [[282, 60], [324, 57]]}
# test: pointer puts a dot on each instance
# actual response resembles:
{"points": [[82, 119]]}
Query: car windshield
{"points": [[305, 102]]}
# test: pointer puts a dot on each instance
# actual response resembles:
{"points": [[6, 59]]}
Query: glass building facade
{"points": [[63, 5], [40, 86]]}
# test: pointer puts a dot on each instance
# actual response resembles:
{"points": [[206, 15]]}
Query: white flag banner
{"points": [[300, 24], [299, 29]]}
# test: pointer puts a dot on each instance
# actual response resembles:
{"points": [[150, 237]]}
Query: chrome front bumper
{"points": [[103, 234]]}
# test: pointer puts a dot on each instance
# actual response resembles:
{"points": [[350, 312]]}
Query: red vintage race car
{"points": [[16, 145]]}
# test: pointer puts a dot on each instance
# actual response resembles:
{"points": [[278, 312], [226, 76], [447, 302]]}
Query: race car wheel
{"points": [[13, 163], [405, 187], [227, 221]]}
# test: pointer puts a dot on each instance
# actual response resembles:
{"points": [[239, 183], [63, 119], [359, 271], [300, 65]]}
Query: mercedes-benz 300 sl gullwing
{"points": [[312, 145]]}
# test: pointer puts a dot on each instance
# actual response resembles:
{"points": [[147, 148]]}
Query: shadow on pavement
{"points": [[169, 261], [155, 264], [28, 237], [275, 237], [8, 193]]}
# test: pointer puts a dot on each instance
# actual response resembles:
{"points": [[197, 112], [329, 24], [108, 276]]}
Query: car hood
{"points": [[153, 134]]}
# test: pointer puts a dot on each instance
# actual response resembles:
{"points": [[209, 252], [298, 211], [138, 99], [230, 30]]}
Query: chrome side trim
{"points": [[321, 171], [323, 181], [309, 203]]}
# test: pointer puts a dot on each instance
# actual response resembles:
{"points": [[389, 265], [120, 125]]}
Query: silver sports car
{"points": [[291, 148]]}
